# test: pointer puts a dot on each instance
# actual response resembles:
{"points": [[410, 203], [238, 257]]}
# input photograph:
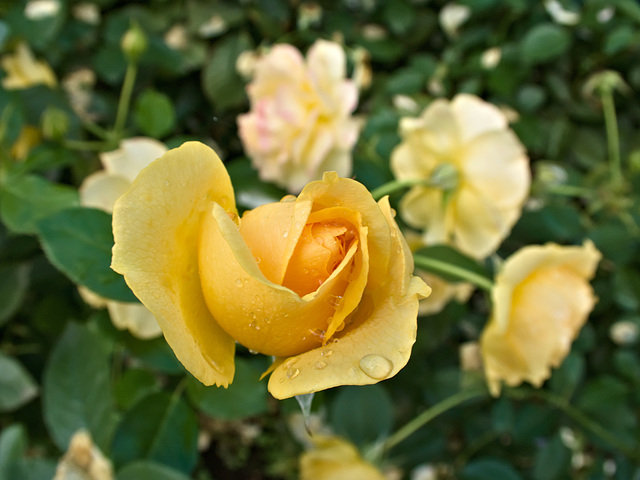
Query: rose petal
{"points": [[133, 155], [102, 189], [259, 314], [476, 117], [156, 227], [541, 300], [134, 317], [376, 343]]}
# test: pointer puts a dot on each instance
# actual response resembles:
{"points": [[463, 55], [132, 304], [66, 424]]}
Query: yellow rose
{"points": [[24, 71], [83, 461], [101, 190], [300, 122], [322, 281], [477, 168], [541, 300], [334, 458]]}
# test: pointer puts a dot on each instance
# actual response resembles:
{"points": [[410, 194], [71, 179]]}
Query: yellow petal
{"points": [[102, 189], [333, 458], [260, 314], [376, 342], [156, 227], [134, 317], [541, 299]]}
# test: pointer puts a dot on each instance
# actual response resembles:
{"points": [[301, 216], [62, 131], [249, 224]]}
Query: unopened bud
{"points": [[134, 42], [55, 123]]}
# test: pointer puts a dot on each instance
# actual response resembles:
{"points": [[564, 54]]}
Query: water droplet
{"points": [[254, 325], [258, 260], [334, 300], [166, 183], [281, 379], [335, 340], [326, 353], [320, 365], [267, 321], [285, 234], [318, 333], [289, 363], [292, 373], [376, 366], [253, 352], [239, 282]]}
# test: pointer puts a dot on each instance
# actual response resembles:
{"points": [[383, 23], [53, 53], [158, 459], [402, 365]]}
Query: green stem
{"points": [[125, 98], [397, 185], [613, 141], [571, 191], [85, 145], [594, 427], [438, 266], [97, 130], [431, 413]]}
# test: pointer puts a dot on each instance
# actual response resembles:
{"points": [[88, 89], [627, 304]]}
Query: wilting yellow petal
{"points": [[156, 227], [377, 338], [334, 458], [541, 300]]}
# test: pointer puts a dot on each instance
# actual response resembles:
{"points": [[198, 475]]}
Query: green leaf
{"points": [[399, 15], [544, 42], [13, 445], [17, 387], [566, 378], [14, 281], [221, 83], [154, 114], [149, 471], [626, 288], [250, 191], [25, 199], [485, 468], [245, 397], [450, 256], [76, 388], [78, 241], [161, 428], [363, 414], [133, 385], [552, 461]]}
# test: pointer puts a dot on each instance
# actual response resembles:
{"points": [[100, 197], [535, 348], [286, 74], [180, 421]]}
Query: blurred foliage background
{"points": [[64, 367]]}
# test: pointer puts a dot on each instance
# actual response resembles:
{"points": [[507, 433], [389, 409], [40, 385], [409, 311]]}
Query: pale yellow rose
{"points": [[83, 461], [541, 300], [322, 281], [24, 71], [100, 190], [334, 458], [300, 122], [477, 168]]}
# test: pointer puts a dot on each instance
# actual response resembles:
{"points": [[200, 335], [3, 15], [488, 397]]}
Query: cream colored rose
{"points": [[475, 170], [83, 461], [334, 458], [541, 300], [101, 190], [24, 71], [300, 122], [322, 281]]}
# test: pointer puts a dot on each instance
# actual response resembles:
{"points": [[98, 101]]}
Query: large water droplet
{"points": [[376, 366], [320, 364], [292, 373]]}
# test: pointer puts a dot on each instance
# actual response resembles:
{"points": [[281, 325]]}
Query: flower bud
{"points": [[134, 42], [55, 123]]}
